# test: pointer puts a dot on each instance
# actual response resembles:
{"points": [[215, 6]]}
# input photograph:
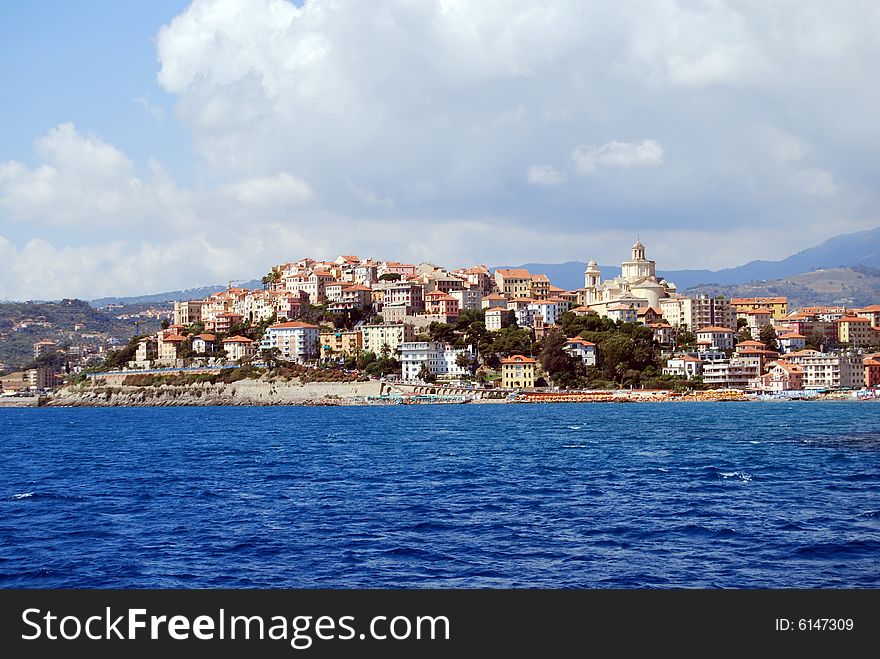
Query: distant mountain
{"points": [[861, 249], [850, 287], [170, 296]]}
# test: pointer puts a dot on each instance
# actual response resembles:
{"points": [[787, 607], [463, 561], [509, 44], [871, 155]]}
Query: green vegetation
{"points": [[55, 321]]}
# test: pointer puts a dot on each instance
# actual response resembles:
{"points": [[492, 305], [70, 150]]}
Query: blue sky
{"points": [[161, 145]]}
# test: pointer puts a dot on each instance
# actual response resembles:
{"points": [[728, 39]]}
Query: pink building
{"points": [[439, 303]]}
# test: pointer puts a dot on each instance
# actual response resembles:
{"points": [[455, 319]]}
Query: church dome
{"points": [[592, 265], [638, 244]]}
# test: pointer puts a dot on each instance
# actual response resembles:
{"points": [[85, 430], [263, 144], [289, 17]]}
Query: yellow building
{"points": [[340, 342], [777, 305], [514, 283], [518, 372], [855, 331]]}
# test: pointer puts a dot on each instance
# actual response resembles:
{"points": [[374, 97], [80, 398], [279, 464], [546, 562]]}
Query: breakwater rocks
{"points": [[242, 392]]}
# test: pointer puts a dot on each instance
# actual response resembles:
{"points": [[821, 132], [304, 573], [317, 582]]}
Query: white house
{"points": [[440, 359], [238, 347], [295, 341], [718, 337], [582, 349], [686, 366], [792, 342]]}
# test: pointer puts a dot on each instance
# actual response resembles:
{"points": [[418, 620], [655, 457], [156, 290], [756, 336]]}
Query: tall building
{"points": [[637, 286]]}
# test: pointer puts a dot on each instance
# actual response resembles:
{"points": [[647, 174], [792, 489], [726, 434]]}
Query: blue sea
{"points": [[713, 495]]}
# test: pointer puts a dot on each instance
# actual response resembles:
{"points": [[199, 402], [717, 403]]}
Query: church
{"points": [[636, 287]]}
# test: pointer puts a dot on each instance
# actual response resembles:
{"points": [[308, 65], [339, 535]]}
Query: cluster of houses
{"points": [[397, 301]]}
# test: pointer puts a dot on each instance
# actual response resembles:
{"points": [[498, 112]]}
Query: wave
{"points": [[23, 495], [741, 475]]}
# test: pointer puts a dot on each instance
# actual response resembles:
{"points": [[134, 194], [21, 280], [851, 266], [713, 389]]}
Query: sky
{"points": [[152, 146]]}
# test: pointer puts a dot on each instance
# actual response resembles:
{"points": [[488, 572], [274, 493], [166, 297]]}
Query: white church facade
{"points": [[637, 286]]}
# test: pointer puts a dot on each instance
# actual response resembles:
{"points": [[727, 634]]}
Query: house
{"points": [[341, 342], [733, 373], [648, 315], [518, 371], [696, 312], [872, 370], [791, 341], [204, 343], [188, 312], [468, 298], [223, 322], [168, 346], [855, 331], [238, 347], [872, 313], [663, 332], [685, 366], [718, 337], [494, 301], [778, 306], [44, 347], [539, 287], [437, 359], [498, 318], [756, 319], [381, 337], [827, 371], [441, 304], [295, 341], [513, 282], [582, 349], [625, 313], [781, 376]]}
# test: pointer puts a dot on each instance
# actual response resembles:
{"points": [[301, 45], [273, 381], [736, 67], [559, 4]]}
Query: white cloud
{"points": [[587, 160], [545, 175], [425, 130], [87, 182], [281, 189]]}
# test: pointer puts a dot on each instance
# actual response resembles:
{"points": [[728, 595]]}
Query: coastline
{"points": [[374, 393]]}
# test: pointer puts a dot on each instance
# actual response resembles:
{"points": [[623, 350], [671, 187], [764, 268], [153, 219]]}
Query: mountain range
{"points": [[852, 250], [861, 249]]}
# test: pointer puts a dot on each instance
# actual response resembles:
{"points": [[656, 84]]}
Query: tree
{"points": [[684, 338], [166, 323], [740, 323], [767, 336], [270, 356], [815, 341], [465, 360], [390, 276], [554, 360]]}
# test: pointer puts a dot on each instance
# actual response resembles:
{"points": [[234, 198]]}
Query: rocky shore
{"points": [[242, 392]]}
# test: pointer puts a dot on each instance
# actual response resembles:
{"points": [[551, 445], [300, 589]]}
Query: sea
{"points": [[666, 495]]}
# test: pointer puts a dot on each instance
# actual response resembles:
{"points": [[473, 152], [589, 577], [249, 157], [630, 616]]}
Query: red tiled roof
{"points": [[237, 339], [518, 359], [206, 337], [294, 324], [174, 338], [715, 330], [514, 273]]}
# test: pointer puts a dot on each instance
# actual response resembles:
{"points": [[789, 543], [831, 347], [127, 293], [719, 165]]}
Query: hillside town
{"points": [[514, 330]]}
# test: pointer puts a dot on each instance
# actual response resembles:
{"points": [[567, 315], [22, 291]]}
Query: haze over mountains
{"points": [[848, 250], [860, 250]]}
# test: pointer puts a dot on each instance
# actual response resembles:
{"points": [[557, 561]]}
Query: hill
{"points": [[24, 323], [170, 296], [851, 287]]}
